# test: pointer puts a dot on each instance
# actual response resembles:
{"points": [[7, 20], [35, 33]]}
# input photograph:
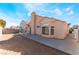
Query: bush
{"points": [[2, 23], [71, 30]]}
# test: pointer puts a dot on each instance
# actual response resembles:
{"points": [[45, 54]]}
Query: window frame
{"points": [[45, 30], [48, 30], [52, 30]]}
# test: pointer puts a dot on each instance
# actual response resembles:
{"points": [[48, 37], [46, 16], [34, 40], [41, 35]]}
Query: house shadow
{"points": [[16, 44]]}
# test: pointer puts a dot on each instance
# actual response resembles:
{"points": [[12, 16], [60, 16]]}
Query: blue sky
{"points": [[13, 13]]}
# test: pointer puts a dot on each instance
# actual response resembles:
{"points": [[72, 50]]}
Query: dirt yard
{"points": [[17, 45]]}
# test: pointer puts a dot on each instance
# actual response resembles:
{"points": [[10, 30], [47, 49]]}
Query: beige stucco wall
{"points": [[60, 27], [60, 30]]}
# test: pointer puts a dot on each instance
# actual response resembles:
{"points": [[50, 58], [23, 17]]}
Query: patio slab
{"points": [[68, 45]]}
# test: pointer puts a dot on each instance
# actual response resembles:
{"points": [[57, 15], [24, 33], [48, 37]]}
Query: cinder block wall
{"points": [[10, 31]]}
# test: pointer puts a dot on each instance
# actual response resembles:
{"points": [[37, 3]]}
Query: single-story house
{"points": [[48, 27]]}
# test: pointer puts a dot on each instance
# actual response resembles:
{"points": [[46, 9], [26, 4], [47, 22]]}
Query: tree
{"points": [[2, 23], [69, 24], [22, 26]]}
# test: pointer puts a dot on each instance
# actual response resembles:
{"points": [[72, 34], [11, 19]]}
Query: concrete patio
{"points": [[68, 45]]}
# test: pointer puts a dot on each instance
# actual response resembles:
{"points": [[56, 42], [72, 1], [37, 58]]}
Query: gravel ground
{"points": [[17, 45]]}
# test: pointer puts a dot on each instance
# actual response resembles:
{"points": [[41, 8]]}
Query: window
{"points": [[45, 30], [52, 30], [38, 26]]}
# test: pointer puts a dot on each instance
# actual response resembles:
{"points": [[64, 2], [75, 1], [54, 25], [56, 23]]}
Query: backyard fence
{"points": [[76, 34], [10, 31]]}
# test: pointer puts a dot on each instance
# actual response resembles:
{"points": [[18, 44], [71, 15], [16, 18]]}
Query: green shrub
{"points": [[71, 30]]}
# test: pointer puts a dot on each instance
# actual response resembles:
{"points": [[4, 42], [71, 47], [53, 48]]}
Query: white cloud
{"points": [[34, 7], [69, 11], [9, 20], [58, 11], [53, 11], [41, 8]]}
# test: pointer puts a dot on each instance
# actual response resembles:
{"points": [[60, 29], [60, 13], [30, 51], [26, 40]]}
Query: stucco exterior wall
{"points": [[60, 27], [60, 30]]}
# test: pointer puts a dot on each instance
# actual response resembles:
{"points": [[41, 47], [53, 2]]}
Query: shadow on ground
{"points": [[28, 47]]}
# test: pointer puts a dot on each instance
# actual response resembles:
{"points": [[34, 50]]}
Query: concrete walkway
{"points": [[68, 45]]}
